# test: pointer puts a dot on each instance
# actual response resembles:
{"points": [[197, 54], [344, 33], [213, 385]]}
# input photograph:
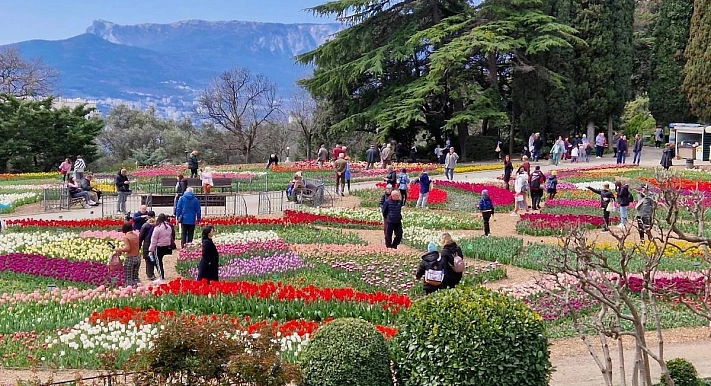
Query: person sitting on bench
{"points": [[75, 191]]}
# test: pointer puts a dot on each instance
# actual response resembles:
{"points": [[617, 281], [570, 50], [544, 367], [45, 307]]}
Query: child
{"points": [[487, 210], [588, 151], [574, 154], [552, 185], [432, 268], [403, 181]]}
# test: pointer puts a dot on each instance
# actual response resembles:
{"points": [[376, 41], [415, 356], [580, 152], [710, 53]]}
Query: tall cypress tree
{"points": [[697, 73], [667, 100]]}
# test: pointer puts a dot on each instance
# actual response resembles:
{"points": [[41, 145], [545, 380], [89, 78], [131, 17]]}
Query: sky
{"points": [[22, 20]]}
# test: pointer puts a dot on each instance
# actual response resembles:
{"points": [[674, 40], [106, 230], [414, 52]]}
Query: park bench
{"points": [[310, 195], [168, 200], [66, 201]]}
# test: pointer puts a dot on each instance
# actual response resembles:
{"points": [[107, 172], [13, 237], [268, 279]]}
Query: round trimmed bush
{"points": [[346, 352], [471, 336], [682, 372]]}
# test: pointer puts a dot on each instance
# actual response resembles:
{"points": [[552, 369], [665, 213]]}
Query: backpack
{"points": [[549, 184], [536, 182], [434, 274], [458, 265]]}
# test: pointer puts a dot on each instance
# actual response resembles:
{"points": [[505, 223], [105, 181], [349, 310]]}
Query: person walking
{"points": [[123, 190], [557, 150], [537, 183], [508, 169], [372, 156], [403, 181], [450, 251], [637, 150], [450, 162], [144, 243], [667, 156], [392, 213], [607, 200], [162, 242], [624, 199], [385, 156], [347, 174], [425, 184], [208, 268], [79, 168], [193, 164], [188, 214], [486, 207], [521, 188], [322, 155], [599, 145], [622, 149], [658, 137], [413, 153], [432, 269], [339, 166], [645, 213], [132, 262], [64, 169]]}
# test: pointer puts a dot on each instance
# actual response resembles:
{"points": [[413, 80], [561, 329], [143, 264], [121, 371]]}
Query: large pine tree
{"points": [[667, 100], [697, 73]]}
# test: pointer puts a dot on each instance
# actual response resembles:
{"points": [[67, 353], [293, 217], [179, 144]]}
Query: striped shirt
{"points": [[79, 165]]}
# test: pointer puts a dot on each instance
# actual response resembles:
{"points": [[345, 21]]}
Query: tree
{"points": [[22, 78], [667, 100], [37, 137], [304, 116], [241, 103], [646, 12], [426, 64], [697, 72]]}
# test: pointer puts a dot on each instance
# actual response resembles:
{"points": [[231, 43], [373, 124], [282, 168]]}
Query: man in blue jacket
{"points": [[188, 213]]}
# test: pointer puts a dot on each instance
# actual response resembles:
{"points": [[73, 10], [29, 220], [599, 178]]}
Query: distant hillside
{"points": [[167, 64]]}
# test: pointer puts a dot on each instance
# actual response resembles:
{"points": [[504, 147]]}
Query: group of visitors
{"points": [[527, 183], [441, 269], [609, 203]]}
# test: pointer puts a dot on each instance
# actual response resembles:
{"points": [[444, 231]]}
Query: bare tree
{"points": [[281, 136], [609, 279], [304, 115], [241, 103], [23, 78]]}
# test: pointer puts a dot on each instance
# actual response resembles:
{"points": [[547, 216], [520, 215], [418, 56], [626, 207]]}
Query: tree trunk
{"points": [[609, 131], [485, 126], [462, 131], [591, 131], [308, 146]]}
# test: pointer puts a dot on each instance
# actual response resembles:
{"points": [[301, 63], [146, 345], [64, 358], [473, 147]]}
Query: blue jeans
{"points": [[556, 158], [449, 173], [623, 215], [621, 157], [637, 156]]}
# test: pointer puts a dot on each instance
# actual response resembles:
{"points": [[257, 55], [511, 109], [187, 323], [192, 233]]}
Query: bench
{"points": [[66, 201], [311, 195]]}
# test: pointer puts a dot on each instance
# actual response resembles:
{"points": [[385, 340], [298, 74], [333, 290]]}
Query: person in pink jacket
{"points": [[162, 241]]}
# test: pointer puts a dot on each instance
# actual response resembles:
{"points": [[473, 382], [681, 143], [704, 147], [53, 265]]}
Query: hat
{"points": [[151, 213], [554, 172], [389, 186], [432, 247]]}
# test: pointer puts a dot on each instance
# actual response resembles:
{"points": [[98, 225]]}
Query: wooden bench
{"points": [[311, 195], [66, 201], [155, 200]]}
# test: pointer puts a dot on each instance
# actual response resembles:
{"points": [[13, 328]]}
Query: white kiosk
{"points": [[691, 141]]}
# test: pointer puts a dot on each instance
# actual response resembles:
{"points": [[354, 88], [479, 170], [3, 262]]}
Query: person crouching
{"points": [[432, 269]]}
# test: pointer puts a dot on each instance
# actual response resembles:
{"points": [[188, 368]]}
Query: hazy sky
{"points": [[61, 19]]}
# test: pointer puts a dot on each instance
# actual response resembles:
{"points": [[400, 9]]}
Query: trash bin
{"points": [[689, 163]]}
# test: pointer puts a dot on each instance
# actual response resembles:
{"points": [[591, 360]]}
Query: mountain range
{"points": [[167, 65]]}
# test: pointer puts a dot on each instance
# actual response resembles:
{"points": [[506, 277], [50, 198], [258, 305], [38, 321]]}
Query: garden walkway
{"points": [[574, 366]]}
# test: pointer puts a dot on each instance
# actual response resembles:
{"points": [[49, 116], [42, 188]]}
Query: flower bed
{"points": [[410, 218], [91, 272], [499, 196], [544, 224]]}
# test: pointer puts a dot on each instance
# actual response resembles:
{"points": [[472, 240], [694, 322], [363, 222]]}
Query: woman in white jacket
{"points": [[521, 189]]}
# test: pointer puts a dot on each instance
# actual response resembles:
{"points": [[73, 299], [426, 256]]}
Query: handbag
{"points": [[610, 207], [115, 263]]}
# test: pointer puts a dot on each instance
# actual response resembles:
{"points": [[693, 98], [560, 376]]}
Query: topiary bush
{"points": [[346, 352], [683, 373], [471, 336]]}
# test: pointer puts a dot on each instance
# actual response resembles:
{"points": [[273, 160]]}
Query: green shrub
{"points": [[471, 336], [346, 352], [683, 373]]}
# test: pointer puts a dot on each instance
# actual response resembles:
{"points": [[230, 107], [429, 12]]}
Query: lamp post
{"points": [[287, 154]]}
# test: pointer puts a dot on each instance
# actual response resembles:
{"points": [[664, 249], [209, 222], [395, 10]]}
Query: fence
{"points": [[277, 202], [265, 183]]}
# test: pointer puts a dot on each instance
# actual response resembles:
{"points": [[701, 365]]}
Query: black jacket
{"points": [[392, 211], [427, 260], [193, 162], [391, 179], [624, 198], [606, 196], [210, 262], [182, 186], [638, 145], [451, 278], [383, 200], [144, 238], [120, 185]]}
